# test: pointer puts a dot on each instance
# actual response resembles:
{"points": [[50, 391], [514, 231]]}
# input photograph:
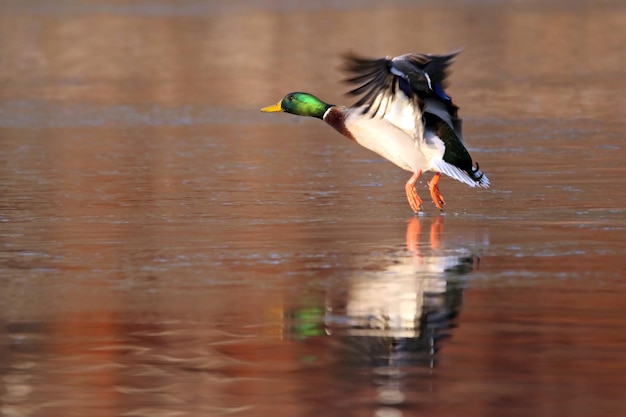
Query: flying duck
{"points": [[403, 114]]}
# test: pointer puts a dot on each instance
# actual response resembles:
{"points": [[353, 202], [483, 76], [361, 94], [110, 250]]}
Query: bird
{"points": [[403, 114]]}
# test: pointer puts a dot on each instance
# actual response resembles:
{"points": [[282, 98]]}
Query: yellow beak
{"points": [[272, 109]]}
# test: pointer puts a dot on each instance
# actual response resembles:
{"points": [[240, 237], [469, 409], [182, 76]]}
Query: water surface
{"points": [[168, 250]]}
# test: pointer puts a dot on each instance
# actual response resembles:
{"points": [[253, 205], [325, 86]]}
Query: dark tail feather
{"points": [[477, 175]]}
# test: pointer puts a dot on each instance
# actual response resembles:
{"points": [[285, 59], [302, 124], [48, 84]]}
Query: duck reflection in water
{"points": [[408, 307], [390, 322]]}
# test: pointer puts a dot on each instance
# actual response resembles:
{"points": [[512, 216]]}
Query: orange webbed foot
{"points": [[433, 185], [411, 193]]}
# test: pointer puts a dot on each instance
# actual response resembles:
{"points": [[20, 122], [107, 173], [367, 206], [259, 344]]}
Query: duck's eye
{"points": [[290, 98]]}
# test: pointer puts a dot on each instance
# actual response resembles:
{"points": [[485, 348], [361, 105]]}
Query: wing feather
{"points": [[421, 77]]}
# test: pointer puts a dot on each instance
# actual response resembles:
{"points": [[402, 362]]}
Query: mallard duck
{"points": [[404, 115]]}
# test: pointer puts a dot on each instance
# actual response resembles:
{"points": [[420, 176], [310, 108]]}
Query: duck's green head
{"points": [[301, 104]]}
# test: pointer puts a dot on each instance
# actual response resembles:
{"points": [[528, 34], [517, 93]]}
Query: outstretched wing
{"points": [[420, 78]]}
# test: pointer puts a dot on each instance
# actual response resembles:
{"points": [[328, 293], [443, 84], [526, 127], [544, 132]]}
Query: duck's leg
{"points": [[411, 193], [433, 185]]}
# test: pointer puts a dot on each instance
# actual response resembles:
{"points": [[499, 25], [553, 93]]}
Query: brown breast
{"points": [[335, 118]]}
